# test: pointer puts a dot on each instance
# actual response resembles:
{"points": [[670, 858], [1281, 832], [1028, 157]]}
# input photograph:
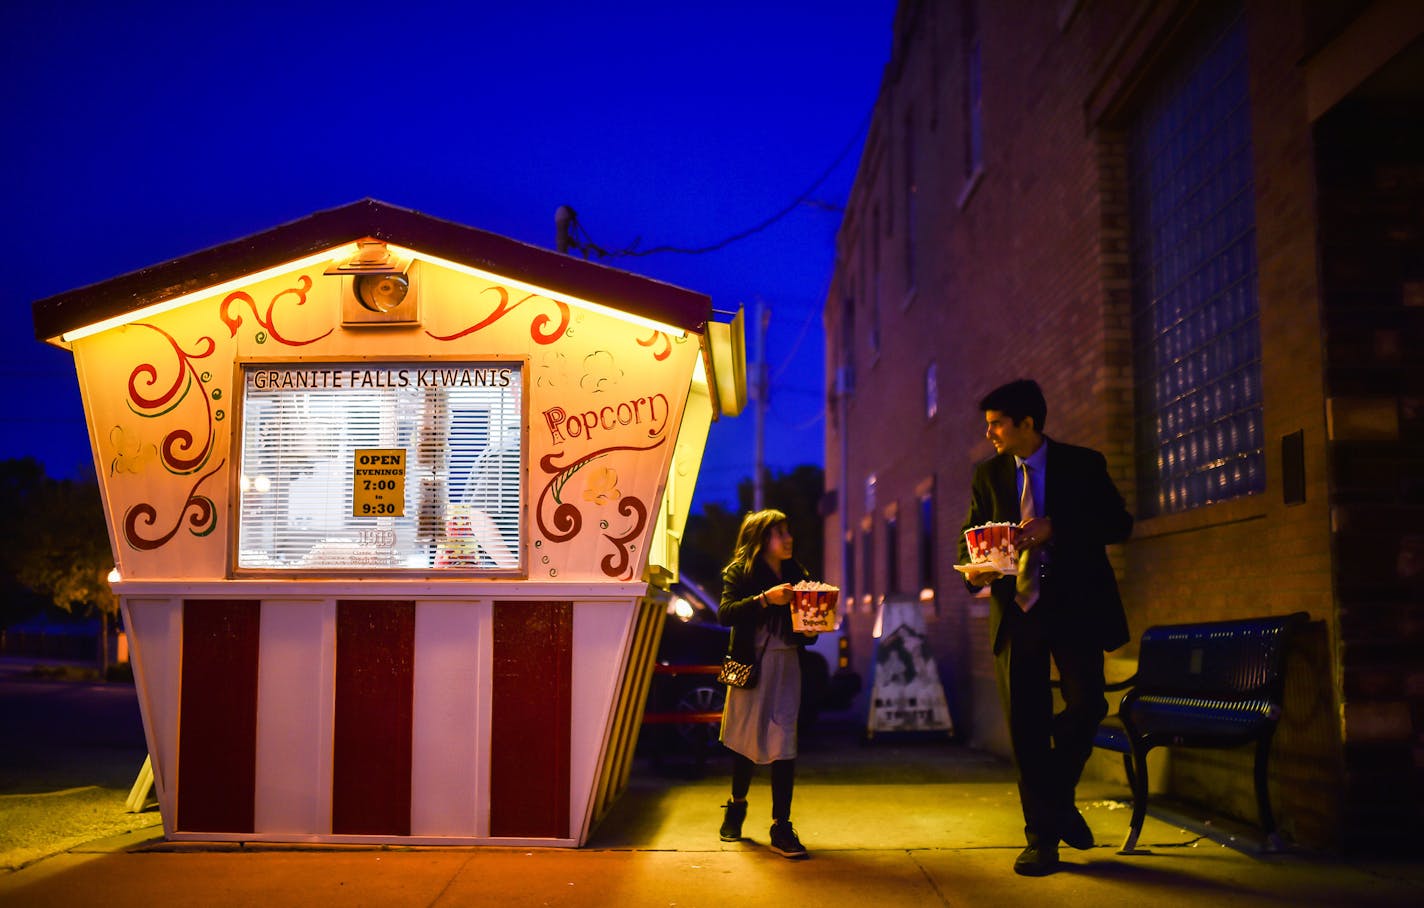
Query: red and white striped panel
{"points": [[366, 720]]}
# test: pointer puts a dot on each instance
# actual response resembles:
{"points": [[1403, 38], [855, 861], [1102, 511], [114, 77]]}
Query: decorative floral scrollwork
{"points": [[199, 509], [180, 451], [266, 320], [539, 330], [131, 454], [566, 518], [602, 486], [619, 565], [567, 521], [663, 351]]}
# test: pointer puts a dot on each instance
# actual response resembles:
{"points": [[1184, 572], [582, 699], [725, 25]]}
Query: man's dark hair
{"points": [[1017, 400]]}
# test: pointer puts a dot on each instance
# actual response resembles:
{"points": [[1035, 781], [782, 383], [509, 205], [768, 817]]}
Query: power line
{"points": [[818, 417], [811, 316], [579, 238]]}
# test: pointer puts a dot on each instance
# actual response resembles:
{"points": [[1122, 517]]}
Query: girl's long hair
{"points": [[751, 538]]}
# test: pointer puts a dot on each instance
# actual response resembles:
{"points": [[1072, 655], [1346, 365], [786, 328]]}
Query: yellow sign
{"points": [[379, 489]]}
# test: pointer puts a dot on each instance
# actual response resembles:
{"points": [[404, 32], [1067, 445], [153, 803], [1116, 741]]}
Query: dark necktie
{"points": [[1027, 584]]}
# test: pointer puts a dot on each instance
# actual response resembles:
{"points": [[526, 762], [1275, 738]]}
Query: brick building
{"points": [[1200, 226]]}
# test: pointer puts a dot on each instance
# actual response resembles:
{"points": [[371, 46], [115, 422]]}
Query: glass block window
{"points": [[872, 271], [867, 556], [973, 92], [847, 352], [1196, 335], [848, 561], [931, 390], [382, 466], [927, 546], [910, 208], [892, 552]]}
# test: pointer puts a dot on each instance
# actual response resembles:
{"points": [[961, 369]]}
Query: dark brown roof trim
{"points": [[576, 277]]}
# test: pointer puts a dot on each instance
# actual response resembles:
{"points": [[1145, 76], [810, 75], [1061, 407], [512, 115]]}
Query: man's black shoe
{"points": [[1037, 860], [1075, 831]]}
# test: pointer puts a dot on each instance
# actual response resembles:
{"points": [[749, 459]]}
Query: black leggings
{"points": [[783, 779]]}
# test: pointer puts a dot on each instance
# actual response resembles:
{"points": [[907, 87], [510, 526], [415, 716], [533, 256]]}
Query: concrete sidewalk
{"points": [[889, 823]]}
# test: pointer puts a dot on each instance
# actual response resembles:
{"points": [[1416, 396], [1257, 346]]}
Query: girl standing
{"points": [[759, 723]]}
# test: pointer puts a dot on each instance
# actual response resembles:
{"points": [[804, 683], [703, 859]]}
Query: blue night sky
{"points": [[140, 132]]}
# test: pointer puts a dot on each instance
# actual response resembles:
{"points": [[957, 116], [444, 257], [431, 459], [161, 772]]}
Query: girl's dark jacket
{"points": [[742, 611]]}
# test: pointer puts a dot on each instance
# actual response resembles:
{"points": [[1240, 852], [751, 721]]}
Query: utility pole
{"points": [[762, 317]]}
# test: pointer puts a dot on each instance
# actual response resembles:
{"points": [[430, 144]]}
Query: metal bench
{"points": [[1214, 685]]}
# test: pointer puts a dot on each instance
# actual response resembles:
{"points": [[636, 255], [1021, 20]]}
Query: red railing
{"points": [[683, 718]]}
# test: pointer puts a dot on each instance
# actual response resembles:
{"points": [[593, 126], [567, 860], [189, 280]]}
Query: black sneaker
{"points": [[784, 841], [732, 823]]}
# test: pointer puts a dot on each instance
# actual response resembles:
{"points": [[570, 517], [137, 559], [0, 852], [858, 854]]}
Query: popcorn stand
{"points": [[392, 501]]}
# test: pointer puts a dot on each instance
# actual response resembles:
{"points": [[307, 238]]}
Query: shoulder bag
{"points": [[741, 674]]}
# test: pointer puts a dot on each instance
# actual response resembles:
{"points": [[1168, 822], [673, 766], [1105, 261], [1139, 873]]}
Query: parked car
{"points": [[684, 700]]}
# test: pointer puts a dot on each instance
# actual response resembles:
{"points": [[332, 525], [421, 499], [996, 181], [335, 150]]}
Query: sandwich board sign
{"points": [[906, 694]]}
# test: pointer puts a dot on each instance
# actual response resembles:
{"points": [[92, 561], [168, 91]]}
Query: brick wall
{"points": [[1022, 270], [1371, 192]]}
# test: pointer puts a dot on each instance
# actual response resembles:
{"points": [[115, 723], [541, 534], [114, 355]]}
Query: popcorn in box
{"points": [[813, 607], [994, 543]]}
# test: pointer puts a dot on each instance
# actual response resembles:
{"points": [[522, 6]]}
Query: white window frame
{"points": [[442, 529]]}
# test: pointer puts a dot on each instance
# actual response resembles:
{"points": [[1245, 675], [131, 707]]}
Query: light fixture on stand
{"points": [[377, 286]]}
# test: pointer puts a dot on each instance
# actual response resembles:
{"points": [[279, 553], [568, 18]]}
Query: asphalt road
{"points": [[70, 755], [61, 734]]}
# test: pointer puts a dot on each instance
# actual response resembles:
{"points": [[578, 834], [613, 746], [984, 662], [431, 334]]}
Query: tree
{"points": [[20, 481], [711, 534], [707, 545], [60, 547], [66, 549]]}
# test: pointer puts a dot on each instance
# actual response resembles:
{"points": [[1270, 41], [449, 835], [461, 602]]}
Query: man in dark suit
{"points": [[1061, 604]]}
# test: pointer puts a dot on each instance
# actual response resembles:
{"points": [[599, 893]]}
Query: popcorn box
{"points": [[813, 607], [994, 543]]}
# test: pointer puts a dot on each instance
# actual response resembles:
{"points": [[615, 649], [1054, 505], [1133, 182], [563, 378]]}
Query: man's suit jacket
{"points": [[1078, 588]]}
